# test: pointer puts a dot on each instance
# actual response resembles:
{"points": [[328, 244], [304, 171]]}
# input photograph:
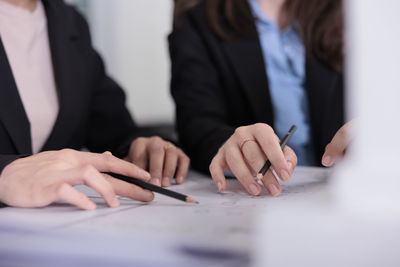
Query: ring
{"points": [[168, 146], [245, 141]]}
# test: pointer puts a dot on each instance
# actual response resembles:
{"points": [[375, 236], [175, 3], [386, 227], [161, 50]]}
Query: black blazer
{"points": [[219, 85], [92, 106]]}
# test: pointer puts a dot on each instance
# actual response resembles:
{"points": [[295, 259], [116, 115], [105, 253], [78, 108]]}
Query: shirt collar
{"points": [[263, 18], [258, 14]]}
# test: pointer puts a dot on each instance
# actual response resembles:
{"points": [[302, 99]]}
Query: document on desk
{"points": [[227, 216], [306, 183], [221, 221]]}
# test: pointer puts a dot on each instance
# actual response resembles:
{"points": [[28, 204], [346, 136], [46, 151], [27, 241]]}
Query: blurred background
{"points": [[131, 36]]}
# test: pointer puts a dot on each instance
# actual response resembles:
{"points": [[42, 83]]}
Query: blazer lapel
{"points": [[12, 112], [66, 73], [247, 60]]}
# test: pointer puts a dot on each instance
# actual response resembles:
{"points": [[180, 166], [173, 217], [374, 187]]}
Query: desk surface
{"points": [[219, 231]]}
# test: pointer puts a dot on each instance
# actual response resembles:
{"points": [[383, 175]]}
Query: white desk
{"points": [[219, 231]]}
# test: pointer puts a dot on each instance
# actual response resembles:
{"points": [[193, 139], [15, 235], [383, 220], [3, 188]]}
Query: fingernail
{"points": [[150, 195], [327, 160], [290, 164], [166, 181], [179, 180], [219, 186], [115, 202], [91, 205], [155, 181], [284, 175], [254, 189], [273, 190], [146, 174]]}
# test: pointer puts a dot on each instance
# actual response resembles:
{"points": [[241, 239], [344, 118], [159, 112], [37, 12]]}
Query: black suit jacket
{"points": [[92, 106], [219, 85]]}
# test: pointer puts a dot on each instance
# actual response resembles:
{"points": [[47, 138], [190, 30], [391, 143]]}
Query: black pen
{"points": [[283, 143], [152, 187]]}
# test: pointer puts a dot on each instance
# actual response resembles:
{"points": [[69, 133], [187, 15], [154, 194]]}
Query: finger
{"points": [[217, 172], [183, 167], [170, 163], [271, 147], [92, 178], [254, 156], [271, 183], [106, 162], [269, 180], [335, 149], [155, 181], [125, 189], [237, 164], [156, 154], [68, 194], [138, 153], [291, 159]]}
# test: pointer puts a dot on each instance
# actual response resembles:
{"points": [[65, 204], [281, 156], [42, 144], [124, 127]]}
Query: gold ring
{"points": [[168, 146], [244, 142]]}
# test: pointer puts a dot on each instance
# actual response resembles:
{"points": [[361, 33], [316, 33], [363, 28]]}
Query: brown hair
{"points": [[320, 23]]}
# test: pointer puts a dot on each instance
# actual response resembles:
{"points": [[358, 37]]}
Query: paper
{"points": [[228, 216], [223, 222]]}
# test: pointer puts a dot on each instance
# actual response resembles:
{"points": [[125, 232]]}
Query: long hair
{"points": [[320, 23]]}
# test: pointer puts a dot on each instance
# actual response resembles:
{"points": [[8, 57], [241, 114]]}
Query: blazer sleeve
{"points": [[200, 105], [110, 124]]}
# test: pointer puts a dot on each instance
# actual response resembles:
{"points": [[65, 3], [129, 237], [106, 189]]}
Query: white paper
{"points": [[221, 222]]}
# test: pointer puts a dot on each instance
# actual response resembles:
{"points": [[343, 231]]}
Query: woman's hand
{"points": [[161, 158], [337, 147], [244, 154], [41, 179]]}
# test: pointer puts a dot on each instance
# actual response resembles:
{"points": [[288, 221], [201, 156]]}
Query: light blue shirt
{"points": [[284, 57]]}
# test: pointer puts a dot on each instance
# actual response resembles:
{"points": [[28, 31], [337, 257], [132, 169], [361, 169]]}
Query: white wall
{"points": [[131, 36]]}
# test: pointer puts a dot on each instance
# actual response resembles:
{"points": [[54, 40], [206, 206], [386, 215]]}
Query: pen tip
{"points": [[191, 200], [259, 176]]}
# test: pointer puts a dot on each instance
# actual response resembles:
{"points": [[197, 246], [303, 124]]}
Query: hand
{"points": [[337, 147], [244, 154], [41, 179], [161, 158]]}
